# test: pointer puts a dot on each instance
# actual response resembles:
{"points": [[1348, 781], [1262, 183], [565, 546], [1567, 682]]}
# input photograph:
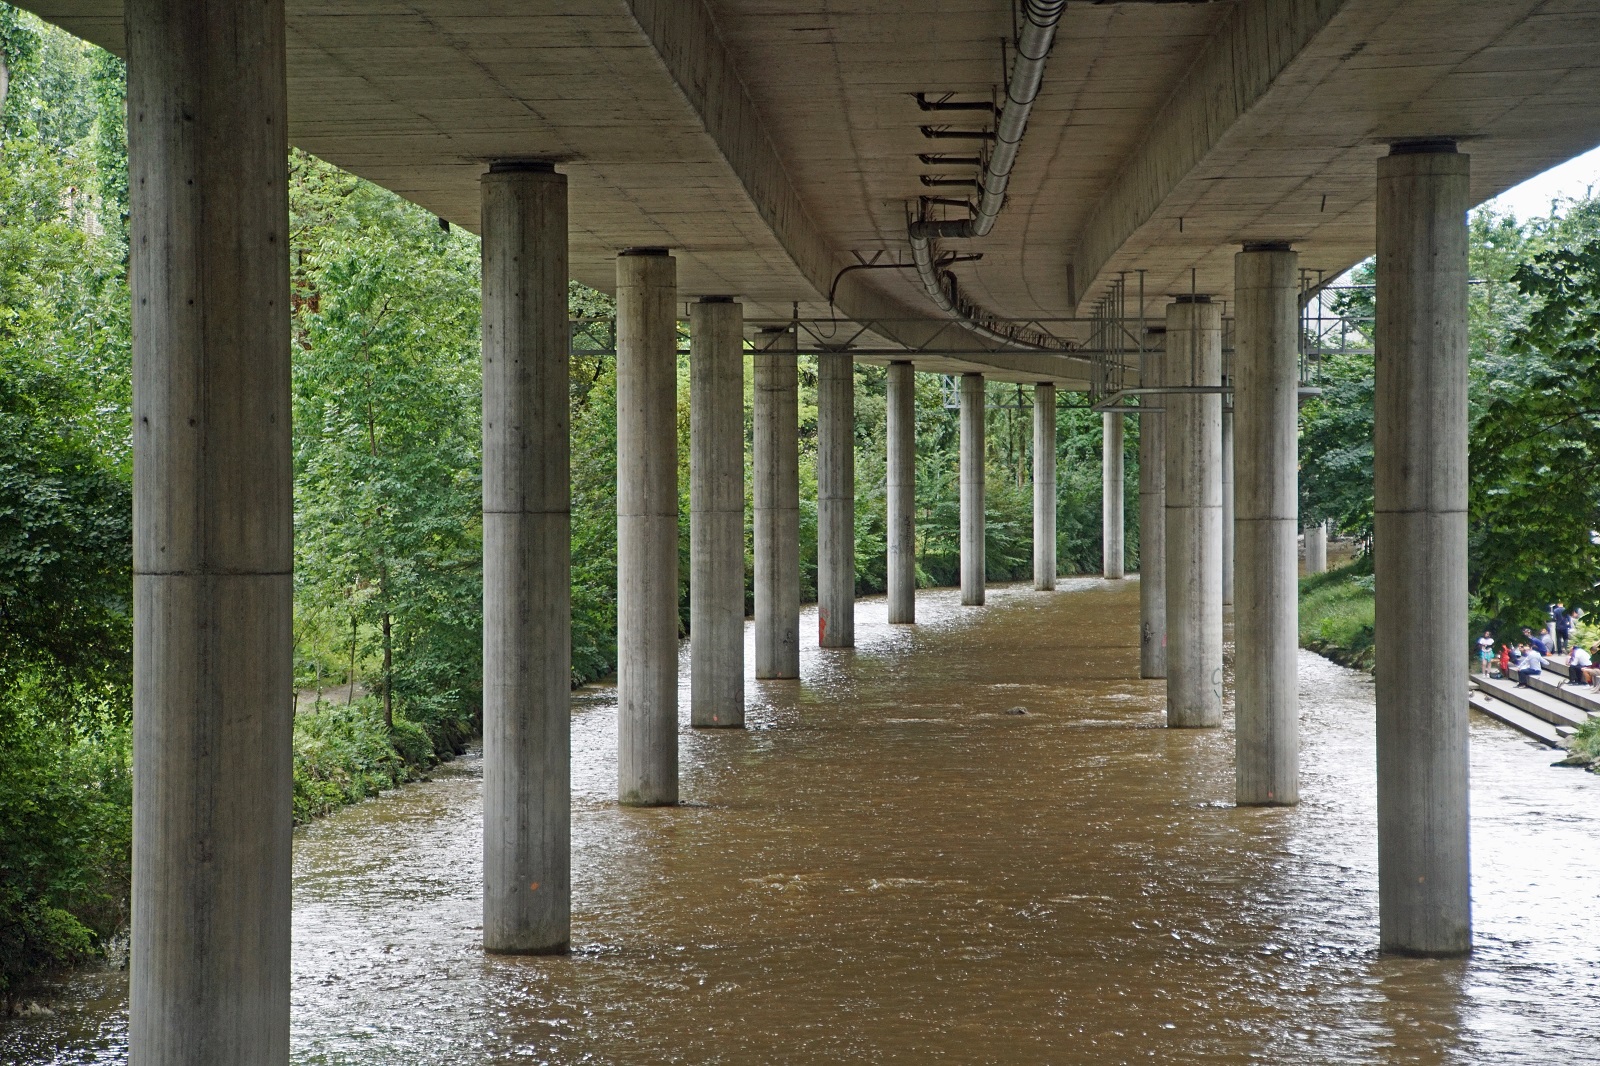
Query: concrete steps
{"points": [[1552, 709], [1585, 699], [1485, 703]]}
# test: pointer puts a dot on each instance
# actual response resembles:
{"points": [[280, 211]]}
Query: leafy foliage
{"points": [[1536, 445]]}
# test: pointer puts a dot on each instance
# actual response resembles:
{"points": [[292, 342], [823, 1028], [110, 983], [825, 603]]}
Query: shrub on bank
{"points": [[1336, 613], [343, 754]]}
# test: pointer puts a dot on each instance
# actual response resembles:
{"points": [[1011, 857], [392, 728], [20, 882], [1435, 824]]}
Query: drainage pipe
{"points": [[1039, 21]]}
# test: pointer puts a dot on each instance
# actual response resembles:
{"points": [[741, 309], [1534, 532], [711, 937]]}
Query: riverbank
{"points": [[66, 842], [1336, 613]]}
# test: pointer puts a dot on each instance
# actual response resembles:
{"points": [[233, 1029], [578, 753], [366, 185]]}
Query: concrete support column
{"points": [[777, 503], [1266, 614], [902, 493], [1420, 550], [647, 528], [1152, 515], [1111, 477], [836, 501], [527, 574], [1316, 548], [1194, 514], [972, 464], [1044, 486], [716, 514], [1228, 545], [212, 538]]}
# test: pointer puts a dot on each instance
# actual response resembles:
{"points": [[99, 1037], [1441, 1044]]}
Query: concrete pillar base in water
{"points": [[1111, 475], [1194, 515], [972, 471], [836, 501], [1044, 486], [902, 491], [1152, 516], [1266, 614], [716, 514], [527, 617], [1420, 551], [777, 507], [212, 539], [647, 529]]}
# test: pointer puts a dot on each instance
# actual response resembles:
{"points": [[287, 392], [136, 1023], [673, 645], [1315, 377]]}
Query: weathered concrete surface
{"points": [[972, 473], [1420, 554], [212, 555], [1228, 546], [716, 514], [1152, 515], [1194, 516], [777, 507], [902, 491], [1164, 134], [836, 501], [647, 529], [1111, 477], [1316, 548], [1266, 612], [1044, 487], [527, 573]]}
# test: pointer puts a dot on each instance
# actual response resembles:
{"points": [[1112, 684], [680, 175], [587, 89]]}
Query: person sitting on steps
{"points": [[1530, 665], [1578, 665], [1590, 672]]}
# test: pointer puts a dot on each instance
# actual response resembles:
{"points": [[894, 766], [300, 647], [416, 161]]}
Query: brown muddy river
{"points": [[889, 867]]}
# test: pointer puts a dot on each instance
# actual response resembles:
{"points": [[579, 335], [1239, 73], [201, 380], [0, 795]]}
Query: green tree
{"points": [[388, 513], [1535, 445]]}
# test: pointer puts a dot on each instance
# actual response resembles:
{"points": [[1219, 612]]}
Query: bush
{"points": [[1336, 613], [343, 755], [65, 836]]}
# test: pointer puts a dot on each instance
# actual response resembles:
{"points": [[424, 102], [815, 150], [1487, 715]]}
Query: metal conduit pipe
{"points": [[1038, 33], [1039, 21]]}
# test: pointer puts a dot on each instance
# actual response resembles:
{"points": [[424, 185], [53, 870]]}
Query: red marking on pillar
{"points": [[822, 625]]}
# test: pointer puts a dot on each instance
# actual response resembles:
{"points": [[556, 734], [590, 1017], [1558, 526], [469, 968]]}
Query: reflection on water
{"points": [[892, 865]]}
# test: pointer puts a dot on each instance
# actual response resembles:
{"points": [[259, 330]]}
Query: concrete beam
{"points": [[1228, 546], [777, 507], [1234, 71], [527, 572], [836, 501], [1266, 614], [1420, 552], [1152, 518], [647, 529], [213, 537], [1194, 515], [973, 432], [716, 514], [902, 492], [1044, 487], [1111, 508]]}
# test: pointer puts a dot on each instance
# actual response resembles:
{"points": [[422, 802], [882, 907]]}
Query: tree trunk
{"points": [[350, 678], [388, 667]]}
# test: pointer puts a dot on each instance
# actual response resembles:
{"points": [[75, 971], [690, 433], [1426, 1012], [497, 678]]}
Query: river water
{"points": [[888, 866]]}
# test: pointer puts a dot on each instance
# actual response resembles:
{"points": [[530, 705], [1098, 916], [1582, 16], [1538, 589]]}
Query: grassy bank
{"points": [[66, 826], [1336, 612], [343, 754]]}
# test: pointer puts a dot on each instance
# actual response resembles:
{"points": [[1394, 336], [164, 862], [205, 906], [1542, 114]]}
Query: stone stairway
{"points": [[1550, 710]]}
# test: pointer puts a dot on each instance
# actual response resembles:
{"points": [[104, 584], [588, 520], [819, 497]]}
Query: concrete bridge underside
{"points": [[767, 144], [745, 155]]}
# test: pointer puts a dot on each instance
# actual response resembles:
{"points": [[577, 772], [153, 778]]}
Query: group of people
{"points": [[1526, 659]]}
